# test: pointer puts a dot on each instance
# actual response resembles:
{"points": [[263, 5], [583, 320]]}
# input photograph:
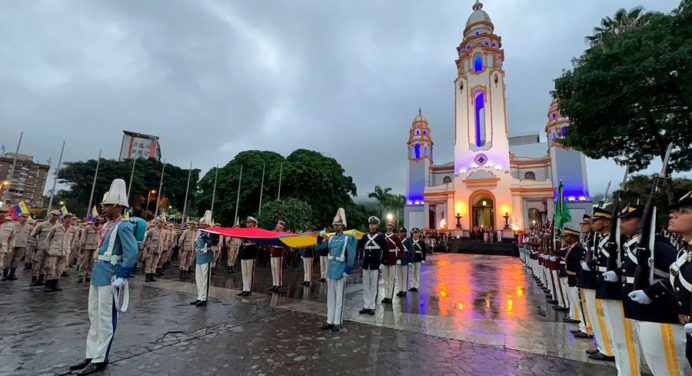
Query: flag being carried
{"points": [[562, 215]]}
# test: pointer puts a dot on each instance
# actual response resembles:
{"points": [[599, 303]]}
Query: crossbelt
{"points": [[629, 280], [602, 269]]}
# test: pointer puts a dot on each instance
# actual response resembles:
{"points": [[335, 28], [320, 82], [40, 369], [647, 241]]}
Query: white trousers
{"points": [[202, 280], [277, 270], [323, 267], [246, 268], [551, 283], [335, 300], [103, 319], [576, 301], [415, 275], [663, 346], [389, 276], [595, 312], [402, 274], [622, 340], [563, 291], [307, 269], [370, 279]]}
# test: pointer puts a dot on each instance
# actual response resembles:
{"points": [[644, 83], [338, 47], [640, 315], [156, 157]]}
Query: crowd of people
{"points": [[627, 290]]}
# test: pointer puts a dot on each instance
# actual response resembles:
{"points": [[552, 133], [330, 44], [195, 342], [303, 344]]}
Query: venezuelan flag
{"points": [[24, 209], [62, 211], [93, 214]]}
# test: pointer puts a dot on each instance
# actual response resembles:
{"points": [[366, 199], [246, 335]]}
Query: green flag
{"points": [[561, 210]]}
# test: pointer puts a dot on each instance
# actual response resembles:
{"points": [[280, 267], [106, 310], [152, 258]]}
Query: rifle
{"points": [[605, 195], [643, 275], [613, 246]]}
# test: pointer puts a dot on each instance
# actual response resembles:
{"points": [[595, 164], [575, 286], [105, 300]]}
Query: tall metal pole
{"points": [[237, 197], [213, 192], [187, 189], [259, 211], [10, 177], [55, 180], [281, 170], [132, 175], [93, 185], [158, 194]]}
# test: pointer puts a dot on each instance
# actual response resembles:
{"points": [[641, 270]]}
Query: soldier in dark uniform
{"points": [[276, 254], [248, 253], [575, 253], [418, 250], [656, 325], [372, 246]]}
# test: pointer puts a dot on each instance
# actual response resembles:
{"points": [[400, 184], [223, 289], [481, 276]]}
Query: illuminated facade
{"points": [[494, 180]]}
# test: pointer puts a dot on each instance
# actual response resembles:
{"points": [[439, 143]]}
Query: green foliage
{"points": [[78, 176], [297, 214], [638, 187], [629, 96], [388, 203]]}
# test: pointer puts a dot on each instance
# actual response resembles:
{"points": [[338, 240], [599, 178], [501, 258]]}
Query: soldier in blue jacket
{"points": [[342, 255], [402, 270], [117, 254], [204, 257]]}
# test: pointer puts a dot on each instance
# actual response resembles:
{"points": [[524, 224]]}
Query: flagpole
{"points": [[93, 185], [55, 180], [158, 195], [6, 187], [213, 193], [281, 170], [187, 189], [237, 197], [132, 175], [259, 211]]}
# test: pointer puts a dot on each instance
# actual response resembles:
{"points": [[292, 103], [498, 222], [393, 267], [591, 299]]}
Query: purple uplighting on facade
{"points": [[480, 103]]}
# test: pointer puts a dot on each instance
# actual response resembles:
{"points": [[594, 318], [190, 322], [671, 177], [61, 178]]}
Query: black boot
{"points": [[12, 277], [27, 266], [55, 286], [5, 273], [93, 368], [80, 365], [146, 277], [151, 277], [49, 286], [40, 281], [181, 275], [34, 279]]}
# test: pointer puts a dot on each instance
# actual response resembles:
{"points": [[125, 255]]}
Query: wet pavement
{"points": [[473, 315]]}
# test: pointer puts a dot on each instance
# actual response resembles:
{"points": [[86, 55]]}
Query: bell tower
{"points": [[481, 121], [420, 159]]}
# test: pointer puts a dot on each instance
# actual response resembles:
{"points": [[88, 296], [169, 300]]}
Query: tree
{"points": [[78, 176], [297, 214], [623, 21], [631, 97], [381, 195]]}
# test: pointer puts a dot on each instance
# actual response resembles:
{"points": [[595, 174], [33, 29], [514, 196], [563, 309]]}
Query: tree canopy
{"points": [[629, 95], [297, 214]]}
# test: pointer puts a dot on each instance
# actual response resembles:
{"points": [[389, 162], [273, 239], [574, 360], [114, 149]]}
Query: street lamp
{"points": [[458, 216], [62, 203], [390, 216], [506, 217]]}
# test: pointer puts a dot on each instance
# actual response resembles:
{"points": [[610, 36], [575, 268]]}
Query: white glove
{"points": [[610, 276], [422, 262], [398, 262], [323, 233], [688, 328], [553, 258], [345, 275], [585, 267], [640, 297], [381, 266], [117, 283]]}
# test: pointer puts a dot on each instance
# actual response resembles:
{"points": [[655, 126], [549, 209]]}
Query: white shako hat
{"points": [[117, 195], [206, 219], [340, 217]]}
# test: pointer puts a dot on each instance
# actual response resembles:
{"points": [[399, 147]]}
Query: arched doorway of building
{"points": [[535, 216], [483, 211]]}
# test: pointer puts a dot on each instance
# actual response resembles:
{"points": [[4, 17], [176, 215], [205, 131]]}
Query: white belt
{"points": [[675, 272], [562, 263], [393, 250], [372, 247], [629, 280], [336, 258], [421, 252], [125, 290], [602, 269], [113, 259]]}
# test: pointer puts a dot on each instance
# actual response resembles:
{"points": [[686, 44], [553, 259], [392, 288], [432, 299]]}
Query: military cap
{"points": [[684, 201], [600, 213], [636, 211], [373, 220], [568, 231]]}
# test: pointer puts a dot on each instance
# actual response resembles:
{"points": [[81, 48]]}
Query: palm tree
{"points": [[396, 203], [622, 22], [381, 195]]}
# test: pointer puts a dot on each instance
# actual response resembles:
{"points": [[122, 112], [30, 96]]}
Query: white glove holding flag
{"points": [[688, 328], [639, 296], [117, 283], [585, 266], [553, 258], [381, 266], [610, 276], [323, 233], [398, 262]]}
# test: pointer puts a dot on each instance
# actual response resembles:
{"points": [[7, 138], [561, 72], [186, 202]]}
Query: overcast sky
{"points": [[213, 78]]}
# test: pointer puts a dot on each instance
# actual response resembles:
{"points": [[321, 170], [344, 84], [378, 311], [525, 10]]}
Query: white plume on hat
{"points": [[340, 217], [206, 219], [117, 195]]}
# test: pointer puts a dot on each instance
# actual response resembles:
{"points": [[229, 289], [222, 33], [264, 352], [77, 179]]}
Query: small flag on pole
{"points": [[24, 209], [93, 214], [62, 211], [562, 215]]}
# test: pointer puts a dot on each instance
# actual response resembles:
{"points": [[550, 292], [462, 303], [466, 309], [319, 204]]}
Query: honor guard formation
{"points": [[625, 287]]}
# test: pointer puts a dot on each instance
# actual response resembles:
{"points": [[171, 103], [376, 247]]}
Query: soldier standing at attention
{"points": [[248, 253], [402, 269], [342, 256], [40, 233], [394, 253], [418, 250], [373, 246], [30, 245], [186, 248], [153, 246], [90, 243], [8, 233], [19, 248], [60, 242], [276, 259]]}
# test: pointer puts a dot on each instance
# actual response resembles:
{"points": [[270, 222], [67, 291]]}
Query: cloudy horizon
{"points": [[214, 78]]}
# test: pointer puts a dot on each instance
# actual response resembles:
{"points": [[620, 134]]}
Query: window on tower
{"points": [[416, 151], [529, 175], [478, 63], [480, 119]]}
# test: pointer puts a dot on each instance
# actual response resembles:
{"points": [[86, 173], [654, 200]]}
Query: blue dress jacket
{"points": [[340, 258], [202, 244], [125, 249]]}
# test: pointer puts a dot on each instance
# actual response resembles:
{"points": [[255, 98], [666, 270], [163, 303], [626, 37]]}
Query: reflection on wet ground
{"points": [[473, 314]]}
